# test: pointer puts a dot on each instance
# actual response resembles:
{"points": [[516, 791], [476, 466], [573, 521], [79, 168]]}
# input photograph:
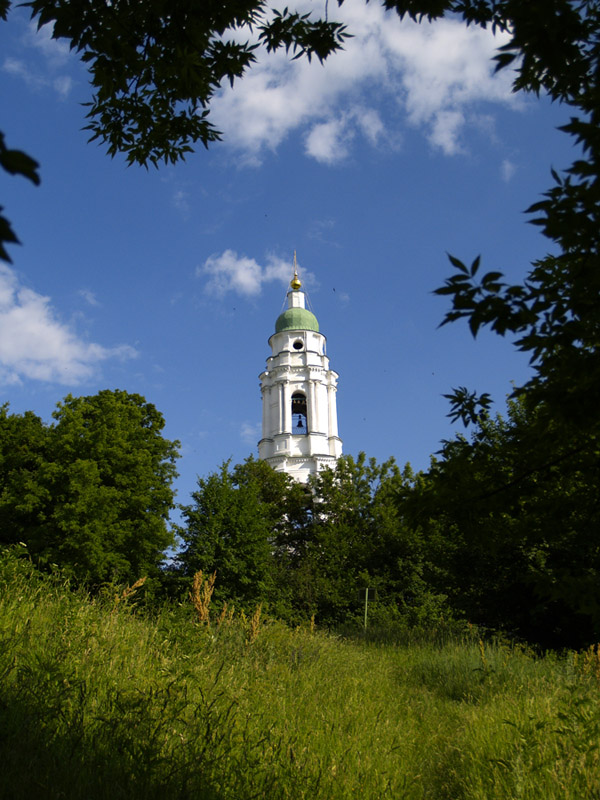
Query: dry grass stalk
{"points": [[128, 592], [222, 615], [591, 662], [312, 623], [226, 615], [254, 625], [201, 595], [484, 663]]}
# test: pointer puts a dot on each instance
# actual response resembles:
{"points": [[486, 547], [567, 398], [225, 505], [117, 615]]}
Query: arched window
{"points": [[299, 418]]}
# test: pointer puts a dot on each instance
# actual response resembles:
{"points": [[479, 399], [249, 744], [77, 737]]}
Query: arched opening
{"points": [[299, 415]]}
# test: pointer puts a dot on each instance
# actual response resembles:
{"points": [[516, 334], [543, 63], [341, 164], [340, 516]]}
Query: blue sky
{"points": [[168, 283]]}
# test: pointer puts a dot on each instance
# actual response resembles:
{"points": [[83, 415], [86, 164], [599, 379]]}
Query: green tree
{"points": [[308, 550], [355, 537], [24, 449], [91, 492], [235, 526], [553, 312], [512, 519]]}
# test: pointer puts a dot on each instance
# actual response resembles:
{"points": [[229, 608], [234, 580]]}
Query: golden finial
{"points": [[295, 282]]}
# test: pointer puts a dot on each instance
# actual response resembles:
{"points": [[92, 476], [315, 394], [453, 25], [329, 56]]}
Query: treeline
{"points": [[501, 531]]}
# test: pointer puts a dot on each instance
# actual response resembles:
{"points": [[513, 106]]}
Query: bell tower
{"points": [[299, 412]]}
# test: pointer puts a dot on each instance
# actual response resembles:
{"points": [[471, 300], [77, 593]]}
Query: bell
{"points": [[299, 425]]}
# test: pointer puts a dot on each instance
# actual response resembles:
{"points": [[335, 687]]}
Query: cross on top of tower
{"points": [[295, 282]]}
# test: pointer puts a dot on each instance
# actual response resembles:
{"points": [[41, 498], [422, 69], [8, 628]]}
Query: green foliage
{"points": [[502, 531], [310, 550], [24, 460], [553, 313], [512, 520], [468, 406], [155, 66], [356, 538], [15, 162], [504, 524], [233, 527], [91, 492], [100, 702], [515, 508], [552, 42]]}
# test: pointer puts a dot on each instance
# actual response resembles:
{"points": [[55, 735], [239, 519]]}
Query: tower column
{"points": [[313, 411], [332, 404], [280, 407], [266, 405], [287, 408]]}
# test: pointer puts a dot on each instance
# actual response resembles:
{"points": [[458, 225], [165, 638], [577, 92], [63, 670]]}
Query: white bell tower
{"points": [[299, 412]]}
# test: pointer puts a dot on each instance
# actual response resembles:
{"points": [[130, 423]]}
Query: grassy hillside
{"points": [[97, 701]]}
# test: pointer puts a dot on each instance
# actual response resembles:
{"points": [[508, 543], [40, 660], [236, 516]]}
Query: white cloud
{"points": [[371, 125], [229, 272], [433, 74], [328, 142], [321, 230], [34, 344], [56, 51], [49, 73], [62, 86], [180, 201], [16, 67], [445, 131], [507, 170], [89, 297], [250, 432]]}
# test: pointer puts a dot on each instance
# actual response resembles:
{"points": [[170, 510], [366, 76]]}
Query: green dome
{"points": [[296, 319]]}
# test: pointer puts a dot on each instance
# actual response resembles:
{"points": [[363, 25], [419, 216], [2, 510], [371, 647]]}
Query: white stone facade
{"points": [[299, 419]]}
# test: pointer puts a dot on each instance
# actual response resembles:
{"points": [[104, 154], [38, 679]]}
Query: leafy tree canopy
{"points": [[155, 65], [234, 526], [310, 550], [512, 519], [553, 313], [91, 492], [357, 538]]}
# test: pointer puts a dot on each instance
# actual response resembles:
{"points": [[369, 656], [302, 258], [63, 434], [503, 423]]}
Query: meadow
{"points": [[99, 699]]}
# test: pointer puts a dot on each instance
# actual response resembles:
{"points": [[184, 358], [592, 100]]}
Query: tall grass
{"points": [[97, 701]]}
